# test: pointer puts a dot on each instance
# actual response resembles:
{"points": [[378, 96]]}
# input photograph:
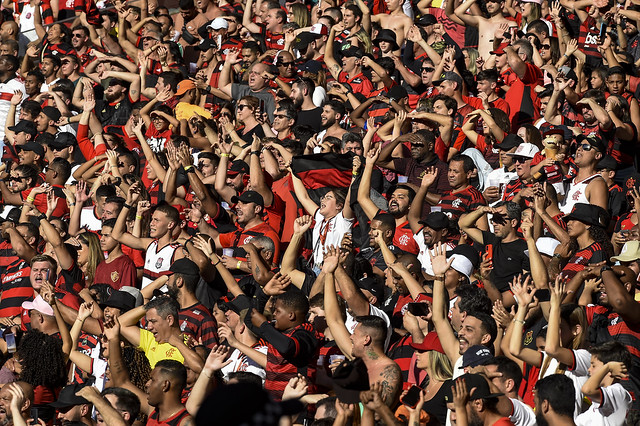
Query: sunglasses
{"points": [[241, 107], [499, 219], [520, 160], [226, 114], [417, 145], [77, 35], [279, 116], [16, 178], [545, 46], [585, 147], [428, 69], [120, 164], [285, 64]]}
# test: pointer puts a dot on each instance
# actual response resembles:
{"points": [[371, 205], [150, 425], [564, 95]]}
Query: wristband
{"points": [[518, 321], [255, 152], [187, 168], [440, 278], [191, 169], [239, 264], [127, 206], [72, 204], [30, 199], [42, 216], [355, 173], [224, 154], [219, 262], [138, 217]]}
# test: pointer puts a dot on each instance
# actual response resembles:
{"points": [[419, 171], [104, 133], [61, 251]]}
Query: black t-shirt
{"points": [[509, 259], [248, 137], [114, 115], [311, 118]]}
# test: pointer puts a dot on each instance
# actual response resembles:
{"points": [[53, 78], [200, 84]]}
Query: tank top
{"points": [[157, 263], [174, 420], [577, 193]]}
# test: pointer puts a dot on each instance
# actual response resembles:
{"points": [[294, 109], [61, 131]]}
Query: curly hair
{"points": [[138, 365], [42, 360]]}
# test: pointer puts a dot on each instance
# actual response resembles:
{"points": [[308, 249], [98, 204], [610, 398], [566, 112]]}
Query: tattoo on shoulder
{"points": [[391, 380]]}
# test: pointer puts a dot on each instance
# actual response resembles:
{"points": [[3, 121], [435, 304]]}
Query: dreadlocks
{"points": [[42, 360]]}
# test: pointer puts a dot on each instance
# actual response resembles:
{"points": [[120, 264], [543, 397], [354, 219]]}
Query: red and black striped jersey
{"points": [[197, 322], [402, 352], [16, 287], [455, 204], [593, 253]]}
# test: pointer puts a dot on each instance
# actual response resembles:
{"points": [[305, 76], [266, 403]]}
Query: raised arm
{"points": [[332, 308], [303, 196], [447, 338], [119, 232], [524, 297]]}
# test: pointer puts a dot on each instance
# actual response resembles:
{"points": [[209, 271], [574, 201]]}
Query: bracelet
{"points": [[42, 216], [440, 277], [354, 173], [208, 89], [224, 154], [113, 166], [239, 264], [219, 262], [187, 168], [30, 199], [255, 152], [518, 321], [127, 206], [138, 217], [72, 204]]}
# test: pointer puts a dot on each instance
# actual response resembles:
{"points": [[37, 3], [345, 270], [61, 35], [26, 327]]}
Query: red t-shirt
{"points": [[118, 273], [243, 236]]}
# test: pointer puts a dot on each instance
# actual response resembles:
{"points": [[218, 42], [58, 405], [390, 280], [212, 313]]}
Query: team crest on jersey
{"points": [[115, 276], [528, 338], [576, 195], [159, 262], [357, 80], [630, 183], [404, 240], [456, 203]]}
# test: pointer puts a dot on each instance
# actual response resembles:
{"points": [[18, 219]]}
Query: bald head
{"points": [[9, 31]]}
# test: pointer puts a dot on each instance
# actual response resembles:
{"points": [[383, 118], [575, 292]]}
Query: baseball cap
{"points": [[120, 300], [137, 295], [311, 66], [249, 197], [630, 252], [206, 44], [39, 305], [303, 40], [436, 221], [238, 304], [52, 113], [184, 266], [218, 24], [373, 286], [28, 127], [588, 214], [237, 166], [68, 397], [349, 379], [32, 146], [118, 82], [500, 49], [426, 20], [185, 85], [476, 384], [319, 29], [547, 245], [509, 142], [607, 162], [475, 355], [527, 150], [352, 52], [594, 141], [430, 343], [63, 140], [449, 76]]}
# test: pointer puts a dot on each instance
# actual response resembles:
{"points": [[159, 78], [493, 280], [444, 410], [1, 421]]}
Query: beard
{"points": [[474, 419], [540, 420], [8, 419], [172, 291], [111, 97]]}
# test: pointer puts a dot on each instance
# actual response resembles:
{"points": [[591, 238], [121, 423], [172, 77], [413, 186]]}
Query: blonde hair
{"points": [[300, 14], [439, 366], [92, 242], [473, 55]]}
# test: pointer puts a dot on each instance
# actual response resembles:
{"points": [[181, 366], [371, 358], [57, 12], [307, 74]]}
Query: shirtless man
{"points": [[486, 27], [396, 20], [367, 340]]}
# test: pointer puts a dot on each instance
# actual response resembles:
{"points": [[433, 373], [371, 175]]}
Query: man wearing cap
{"points": [[487, 27], [47, 120], [23, 132], [587, 186], [73, 408], [249, 211], [450, 84], [42, 317], [616, 202], [521, 188], [311, 45], [498, 178], [117, 106], [63, 146], [351, 70], [237, 178], [188, 100], [483, 401], [195, 320], [432, 230], [31, 154]]}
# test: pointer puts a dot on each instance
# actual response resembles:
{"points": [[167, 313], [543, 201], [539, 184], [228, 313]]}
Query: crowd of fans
{"points": [[320, 213]]}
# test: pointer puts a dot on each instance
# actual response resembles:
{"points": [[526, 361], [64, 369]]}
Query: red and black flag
{"points": [[321, 171]]}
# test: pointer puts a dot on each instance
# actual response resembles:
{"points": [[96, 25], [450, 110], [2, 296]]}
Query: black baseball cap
{"points": [[352, 52], [509, 142], [32, 146], [304, 39], [120, 300], [594, 141], [311, 66], [475, 355], [249, 197], [476, 384], [237, 166], [52, 113], [436, 221], [607, 162], [63, 140], [68, 397], [426, 20], [349, 379], [184, 266], [29, 127], [588, 214]]}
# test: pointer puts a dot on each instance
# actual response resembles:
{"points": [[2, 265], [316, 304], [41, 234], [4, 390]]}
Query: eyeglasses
{"points": [[285, 64], [499, 219], [427, 69], [241, 107], [279, 116], [16, 178], [226, 114], [585, 147], [545, 46], [417, 145], [520, 160], [77, 35]]}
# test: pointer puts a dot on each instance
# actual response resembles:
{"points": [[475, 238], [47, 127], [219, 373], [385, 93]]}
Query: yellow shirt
{"points": [[157, 352], [184, 111]]}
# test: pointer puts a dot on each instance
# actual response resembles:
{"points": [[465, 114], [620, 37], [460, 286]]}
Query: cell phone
{"points": [[419, 309], [489, 250], [543, 295], [10, 338], [603, 32], [46, 275], [261, 106], [35, 416], [412, 397]]}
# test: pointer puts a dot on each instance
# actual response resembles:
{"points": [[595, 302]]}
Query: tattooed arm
{"points": [[390, 381]]}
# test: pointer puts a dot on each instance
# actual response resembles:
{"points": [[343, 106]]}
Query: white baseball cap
{"points": [[527, 150]]}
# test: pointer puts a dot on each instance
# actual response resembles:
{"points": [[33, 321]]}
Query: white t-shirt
{"points": [[241, 362], [578, 375], [331, 231], [611, 411], [351, 323], [522, 414], [423, 253]]}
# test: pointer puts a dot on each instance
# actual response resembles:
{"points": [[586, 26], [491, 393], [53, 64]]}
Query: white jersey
{"points": [[521, 413], [328, 233], [7, 90], [577, 193], [89, 220], [157, 263], [241, 362], [611, 411], [578, 375], [351, 322]]}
